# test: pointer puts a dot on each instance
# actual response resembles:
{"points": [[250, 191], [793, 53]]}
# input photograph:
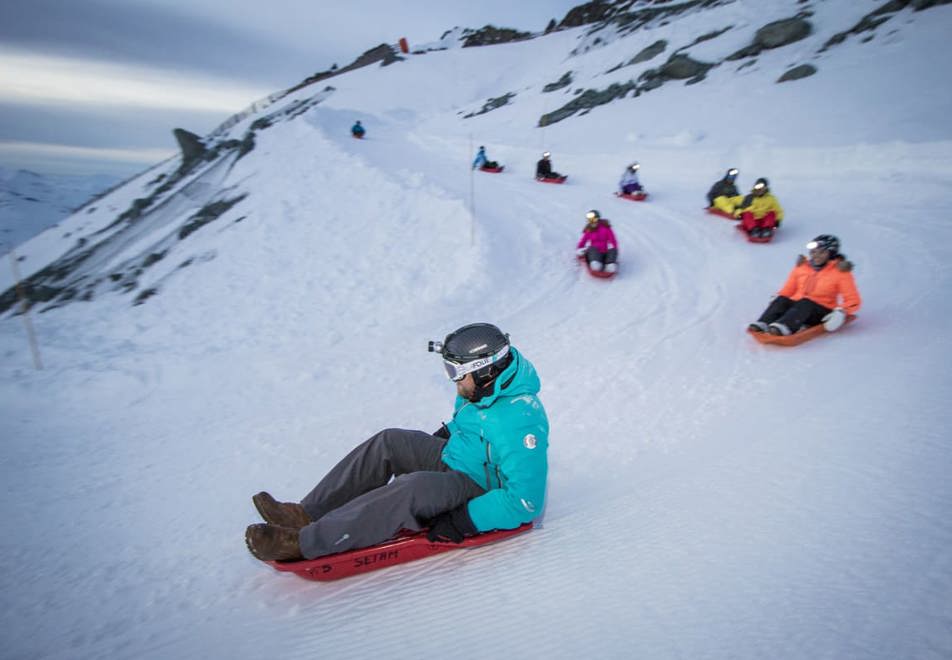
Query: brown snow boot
{"points": [[283, 514], [273, 543]]}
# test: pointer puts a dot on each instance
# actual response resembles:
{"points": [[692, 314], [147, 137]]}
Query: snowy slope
{"points": [[708, 497], [30, 203]]}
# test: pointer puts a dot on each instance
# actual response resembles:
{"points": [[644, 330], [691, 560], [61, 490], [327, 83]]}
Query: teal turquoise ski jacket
{"points": [[500, 442]]}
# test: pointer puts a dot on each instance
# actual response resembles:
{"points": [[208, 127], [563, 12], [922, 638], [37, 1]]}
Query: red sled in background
{"points": [[601, 274], [553, 179], [494, 170], [716, 211], [796, 338], [390, 553], [758, 239], [639, 196]]}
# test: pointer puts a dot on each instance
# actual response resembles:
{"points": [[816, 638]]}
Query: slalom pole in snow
{"points": [[25, 309], [472, 199]]}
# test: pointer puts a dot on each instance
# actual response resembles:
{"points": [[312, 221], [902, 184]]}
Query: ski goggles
{"points": [[814, 246], [759, 186], [457, 370], [732, 172]]}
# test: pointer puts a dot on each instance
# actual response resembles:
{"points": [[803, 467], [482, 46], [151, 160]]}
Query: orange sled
{"points": [[390, 553], [796, 338]]}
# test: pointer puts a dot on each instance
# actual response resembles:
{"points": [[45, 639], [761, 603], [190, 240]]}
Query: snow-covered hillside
{"points": [[30, 203], [708, 497]]}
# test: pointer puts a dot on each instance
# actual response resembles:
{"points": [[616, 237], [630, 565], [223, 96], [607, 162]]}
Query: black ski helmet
{"points": [[761, 183], [827, 242], [478, 347], [546, 154], [634, 166], [593, 216], [731, 173]]}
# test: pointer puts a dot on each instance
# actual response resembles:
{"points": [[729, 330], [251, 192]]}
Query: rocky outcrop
{"points": [[564, 81], [590, 12], [797, 72], [678, 67], [776, 34], [649, 53], [192, 147], [384, 53], [492, 104], [878, 16], [490, 36], [587, 100], [682, 67]]}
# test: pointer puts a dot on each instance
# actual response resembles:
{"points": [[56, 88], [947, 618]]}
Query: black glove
{"points": [[452, 526], [747, 201], [442, 432]]}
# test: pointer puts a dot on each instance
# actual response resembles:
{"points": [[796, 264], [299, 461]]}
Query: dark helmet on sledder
{"points": [[478, 348], [731, 174], [827, 242]]}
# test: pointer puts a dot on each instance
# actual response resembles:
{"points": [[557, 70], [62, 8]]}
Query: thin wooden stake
{"points": [[25, 311]]}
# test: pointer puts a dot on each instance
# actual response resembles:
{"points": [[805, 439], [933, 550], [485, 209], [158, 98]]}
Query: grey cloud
{"points": [[146, 35], [103, 128]]}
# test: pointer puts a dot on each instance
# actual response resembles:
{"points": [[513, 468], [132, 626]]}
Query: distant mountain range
{"points": [[30, 203]]}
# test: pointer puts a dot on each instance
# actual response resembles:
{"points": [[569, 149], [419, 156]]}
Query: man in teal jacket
{"points": [[485, 469]]}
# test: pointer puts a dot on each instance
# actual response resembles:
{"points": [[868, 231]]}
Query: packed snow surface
{"points": [[708, 497]]}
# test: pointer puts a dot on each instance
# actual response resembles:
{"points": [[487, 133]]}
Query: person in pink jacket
{"points": [[598, 244]]}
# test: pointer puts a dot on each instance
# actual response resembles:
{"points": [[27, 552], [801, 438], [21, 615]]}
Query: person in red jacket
{"points": [[598, 244], [820, 289]]}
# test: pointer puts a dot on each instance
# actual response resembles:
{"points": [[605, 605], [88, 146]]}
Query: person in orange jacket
{"points": [[820, 289]]}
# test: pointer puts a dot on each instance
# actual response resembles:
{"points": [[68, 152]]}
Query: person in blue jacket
{"points": [[482, 160], [485, 469], [357, 130]]}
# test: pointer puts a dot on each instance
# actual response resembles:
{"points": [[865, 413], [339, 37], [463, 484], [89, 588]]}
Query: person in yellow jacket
{"points": [[759, 212], [820, 289]]}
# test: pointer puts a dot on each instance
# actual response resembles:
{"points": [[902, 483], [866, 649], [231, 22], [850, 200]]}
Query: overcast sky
{"points": [[98, 85]]}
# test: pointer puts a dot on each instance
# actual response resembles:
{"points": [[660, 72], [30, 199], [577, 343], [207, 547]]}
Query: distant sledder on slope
{"points": [[629, 186], [357, 130], [545, 173], [598, 247], [759, 212], [723, 197], [483, 163], [452, 484], [820, 295]]}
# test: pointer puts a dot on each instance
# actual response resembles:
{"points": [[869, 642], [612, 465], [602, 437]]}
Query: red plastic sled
{"points": [[635, 197], [796, 338], [757, 239], [558, 179], [601, 274], [723, 214], [398, 551], [494, 170]]}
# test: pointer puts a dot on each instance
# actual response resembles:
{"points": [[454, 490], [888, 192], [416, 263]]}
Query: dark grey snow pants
{"points": [[395, 480]]}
